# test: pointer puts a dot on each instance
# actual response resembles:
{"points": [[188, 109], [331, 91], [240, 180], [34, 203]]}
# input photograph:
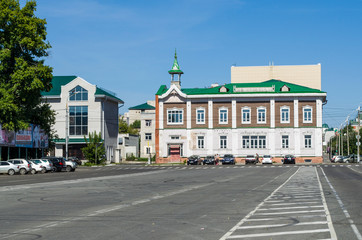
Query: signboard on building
{"points": [[32, 137], [7, 138], [23, 138]]}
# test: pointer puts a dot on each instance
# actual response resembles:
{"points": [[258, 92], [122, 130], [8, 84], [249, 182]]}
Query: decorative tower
{"points": [[176, 71]]}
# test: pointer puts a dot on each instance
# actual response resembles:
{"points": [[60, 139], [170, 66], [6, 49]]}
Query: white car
{"points": [[71, 166], [267, 159], [36, 167], [9, 168], [47, 164]]}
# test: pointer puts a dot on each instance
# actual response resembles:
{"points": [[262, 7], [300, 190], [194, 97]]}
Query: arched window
{"points": [[307, 114], [78, 94], [245, 115], [261, 115], [284, 114]]}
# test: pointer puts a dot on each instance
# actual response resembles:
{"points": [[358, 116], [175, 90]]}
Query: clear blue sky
{"points": [[127, 46]]}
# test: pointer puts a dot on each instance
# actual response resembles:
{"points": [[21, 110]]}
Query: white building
{"points": [[271, 117], [87, 109]]}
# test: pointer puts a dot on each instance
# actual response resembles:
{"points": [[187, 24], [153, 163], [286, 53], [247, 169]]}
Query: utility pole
{"points": [[342, 141], [358, 136], [347, 136]]}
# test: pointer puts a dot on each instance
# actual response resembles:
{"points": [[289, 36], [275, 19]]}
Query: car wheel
{"points": [[68, 169], [347, 161], [43, 170], [32, 171], [11, 172], [22, 171]]}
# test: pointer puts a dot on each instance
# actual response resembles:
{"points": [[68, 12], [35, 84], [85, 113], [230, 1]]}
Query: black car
{"points": [[58, 163], [194, 160], [228, 159], [210, 160], [289, 159]]}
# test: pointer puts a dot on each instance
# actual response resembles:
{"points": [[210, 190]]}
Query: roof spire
{"points": [[175, 67]]}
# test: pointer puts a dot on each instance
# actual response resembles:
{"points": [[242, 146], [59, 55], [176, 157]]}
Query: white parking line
{"points": [[283, 225], [268, 209], [279, 233], [292, 212]]}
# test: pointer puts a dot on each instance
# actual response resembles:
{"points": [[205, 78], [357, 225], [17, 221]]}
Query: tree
{"points": [[131, 129], [94, 152], [23, 74]]}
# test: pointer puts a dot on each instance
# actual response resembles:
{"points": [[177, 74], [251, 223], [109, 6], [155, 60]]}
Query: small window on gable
{"points": [[78, 94], [223, 89], [285, 88]]}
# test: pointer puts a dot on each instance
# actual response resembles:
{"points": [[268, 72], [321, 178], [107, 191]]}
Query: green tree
{"points": [[23, 74], [94, 152], [131, 129]]}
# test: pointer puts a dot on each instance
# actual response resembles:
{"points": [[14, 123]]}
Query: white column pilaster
{"points": [[233, 113], [272, 113], [296, 113], [188, 113], [319, 112], [160, 113], [210, 108]]}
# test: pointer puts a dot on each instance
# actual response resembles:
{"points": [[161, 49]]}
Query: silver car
{"points": [[9, 168], [47, 164], [37, 167], [24, 165]]}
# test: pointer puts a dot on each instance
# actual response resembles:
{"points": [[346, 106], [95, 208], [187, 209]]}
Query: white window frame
{"points": [[260, 121], [148, 150], [245, 142], [253, 142], [282, 120], [200, 142], [308, 141], [247, 115], [262, 142], [148, 136], [223, 142], [224, 119], [285, 141], [148, 123], [200, 120], [309, 118], [178, 111]]}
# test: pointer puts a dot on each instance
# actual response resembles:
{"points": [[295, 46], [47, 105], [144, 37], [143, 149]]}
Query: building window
{"points": [[78, 94], [261, 115], [223, 141], [246, 141], [148, 136], [148, 150], [285, 141], [284, 115], [245, 115], [223, 116], [308, 141], [307, 115], [175, 116], [78, 120], [254, 142], [175, 137], [200, 142], [148, 123], [200, 116]]}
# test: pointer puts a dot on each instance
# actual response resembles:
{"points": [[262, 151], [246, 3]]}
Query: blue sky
{"points": [[127, 46]]}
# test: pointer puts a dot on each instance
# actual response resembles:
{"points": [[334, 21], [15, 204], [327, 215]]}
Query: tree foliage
{"points": [[94, 152], [131, 129], [23, 74], [339, 141]]}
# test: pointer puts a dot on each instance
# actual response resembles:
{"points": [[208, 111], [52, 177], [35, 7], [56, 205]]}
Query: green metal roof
{"points": [[250, 88], [175, 67], [144, 106], [59, 81]]}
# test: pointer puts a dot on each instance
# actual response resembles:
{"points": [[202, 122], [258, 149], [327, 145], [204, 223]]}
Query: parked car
{"points": [[8, 167], [228, 159], [75, 159], [267, 159], [47, 164], [194, 160], [70, 165], [58, 163], [37, 167], [210, 160], [352, 158], [24, 165], [339, 159], [250, 159], [289, 159]]}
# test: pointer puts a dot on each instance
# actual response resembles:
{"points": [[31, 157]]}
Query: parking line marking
{"points": [[282, 225], [297, 203], [271, 209], [278, 233], [346, 213], [291, 212], [282, 218]]}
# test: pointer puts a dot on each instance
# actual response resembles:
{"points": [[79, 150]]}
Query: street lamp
{"points": [[71, 93]]}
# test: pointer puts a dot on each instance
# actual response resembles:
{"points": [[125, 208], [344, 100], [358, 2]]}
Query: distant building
{"points": [[328, 133], [87, 109], [267, 116], [304, 75], [146, 114], [354, 123], [128, 145]]}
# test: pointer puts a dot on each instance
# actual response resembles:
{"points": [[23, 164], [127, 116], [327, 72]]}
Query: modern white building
{"points": [[82, 108], [271, 117]]}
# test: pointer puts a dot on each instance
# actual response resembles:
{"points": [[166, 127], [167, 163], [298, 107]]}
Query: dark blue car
{"points": [[228, 159], [209, 160]]}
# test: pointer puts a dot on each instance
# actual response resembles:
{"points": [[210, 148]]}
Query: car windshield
{"points": [[209, 157], [267, 156], [228, 156], [193, 157], [250, 156]]}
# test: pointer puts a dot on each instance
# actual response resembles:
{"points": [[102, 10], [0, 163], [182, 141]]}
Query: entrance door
{"points": [[175, 153]]}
